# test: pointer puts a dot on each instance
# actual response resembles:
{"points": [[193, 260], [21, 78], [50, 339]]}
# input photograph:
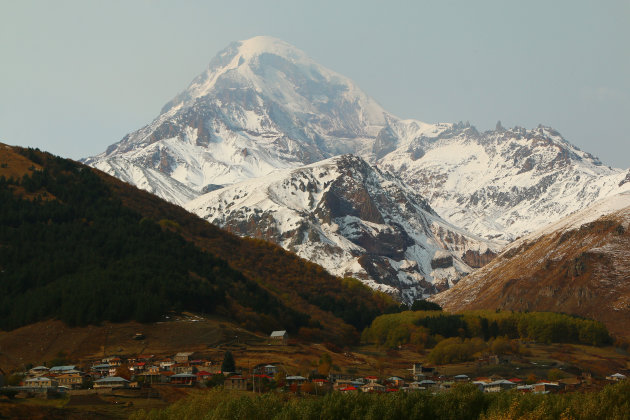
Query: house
{"points": [[152, 370], [570, 384], [321, 382], [112, 360], [416, 368], [38, 371], [145, 358], [138, 367], [167, 364], [203, 376], [427, 383], [41, 382], [342, 383], [235, 382], [420, 372], [270, 370], [373, 387], [371, 379], [446, 385], [461, 378], [183, 357], [415, 385], [182, 368], [101, 369], [57, 370], [183, 379], [616, 377], [499, 385], [299, 380], [396, 381], [279, 337], [546, 387], [349, 388], [111, 382], [71, 379], [334, 377], [525, 388]]}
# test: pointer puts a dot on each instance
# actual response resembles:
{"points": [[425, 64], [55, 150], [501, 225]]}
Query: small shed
{"points": [[279, 337]]}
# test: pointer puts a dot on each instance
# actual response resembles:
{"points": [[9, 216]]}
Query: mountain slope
{"points": [[578, 265], [81, 246], [352, 219]]}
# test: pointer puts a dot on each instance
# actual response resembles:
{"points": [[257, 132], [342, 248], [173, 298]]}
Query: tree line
{"points": [[425, 329], [462, 402]]}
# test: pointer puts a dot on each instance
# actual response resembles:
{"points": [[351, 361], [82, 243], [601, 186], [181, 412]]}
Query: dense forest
{"points": [[462, 402], [456, 337], [78, 246]]}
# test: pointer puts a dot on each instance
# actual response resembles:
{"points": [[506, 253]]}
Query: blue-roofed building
{"points": [[111, 382], [61, 369]]}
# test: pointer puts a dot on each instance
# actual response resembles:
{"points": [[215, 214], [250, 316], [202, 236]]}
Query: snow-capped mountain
{"points": [[502, 183], [261, 105], [352, 219], [578, 265]]}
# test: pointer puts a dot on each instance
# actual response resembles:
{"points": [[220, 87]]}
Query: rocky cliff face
{"points": [[354, 220], [579, 265]]}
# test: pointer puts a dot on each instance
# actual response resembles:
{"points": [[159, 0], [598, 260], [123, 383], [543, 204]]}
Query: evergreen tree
{"points": [[228, 363]]}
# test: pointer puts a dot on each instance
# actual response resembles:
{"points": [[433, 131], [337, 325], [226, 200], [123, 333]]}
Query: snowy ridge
{"points": [[503, 183], [607, 207], [353, 220]]}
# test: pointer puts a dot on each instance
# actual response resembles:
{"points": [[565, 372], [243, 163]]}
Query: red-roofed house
{"points": [[203, 375]]}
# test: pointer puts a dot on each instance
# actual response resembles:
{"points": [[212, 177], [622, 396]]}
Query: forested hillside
{"points": [[79, 246]]}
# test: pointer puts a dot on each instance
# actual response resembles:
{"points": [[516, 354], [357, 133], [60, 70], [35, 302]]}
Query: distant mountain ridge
{"points": [[263, 105]]}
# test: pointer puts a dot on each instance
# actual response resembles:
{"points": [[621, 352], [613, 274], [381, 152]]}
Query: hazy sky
{"points": [[76, 76]]}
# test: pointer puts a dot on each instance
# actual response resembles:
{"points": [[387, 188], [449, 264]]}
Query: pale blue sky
{"points": [[76, 76]]}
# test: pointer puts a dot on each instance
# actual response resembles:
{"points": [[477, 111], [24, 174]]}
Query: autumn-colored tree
{"points": [[123, 371], [325, 364], [280, 378], [307, 388]]}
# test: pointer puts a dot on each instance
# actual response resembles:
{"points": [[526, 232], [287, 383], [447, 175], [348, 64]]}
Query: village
{"points": [[194, 370]]}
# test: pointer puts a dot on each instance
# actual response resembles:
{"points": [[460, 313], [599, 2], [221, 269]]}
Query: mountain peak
{"points": [[263, 44]]}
